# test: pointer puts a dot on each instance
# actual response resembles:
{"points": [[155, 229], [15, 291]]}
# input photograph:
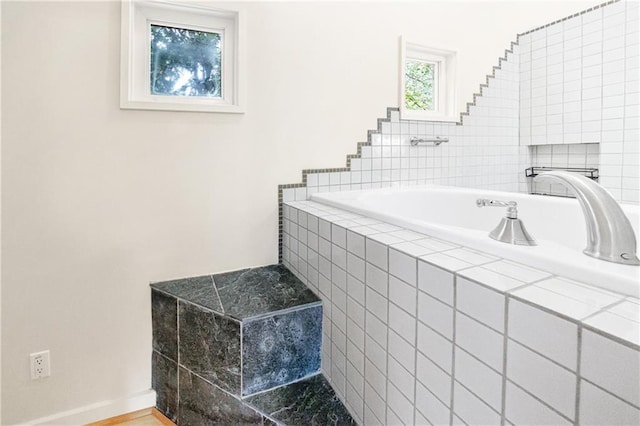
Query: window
{"points": [[180, 56], [427, 83]]}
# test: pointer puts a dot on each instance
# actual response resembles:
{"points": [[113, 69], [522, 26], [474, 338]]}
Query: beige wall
{"points": [[97, 202]]}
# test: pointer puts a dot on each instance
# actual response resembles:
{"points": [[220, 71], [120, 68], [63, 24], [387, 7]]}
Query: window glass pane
{"points": [[419, 86], [185, 62]]}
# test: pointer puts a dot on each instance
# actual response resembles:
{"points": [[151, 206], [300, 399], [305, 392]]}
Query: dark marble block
{"points": [[307, 402], [199, 290], [210, 345], [252, 292], [164, 380], [201, 403], [164, 315], [280, 349]]}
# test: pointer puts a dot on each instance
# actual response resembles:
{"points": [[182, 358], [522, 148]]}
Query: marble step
{"points": [[239, 333], [245, 331], [310, 401]]}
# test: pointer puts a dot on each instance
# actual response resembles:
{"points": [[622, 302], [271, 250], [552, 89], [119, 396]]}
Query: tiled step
{"points": [[232, 335]]}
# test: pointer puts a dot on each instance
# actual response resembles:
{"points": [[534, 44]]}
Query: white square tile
{"points": [[339, 236], [324, 229], [375, 378], [435, 314], [517, 271], [610, 365], [600, 408], [436, 282], [355, 244], [355, 333], [355, 266], [376, 329], [376, 406], [478, 339], [355, 379], [435, 347], [402, 323], [339, 278], [377, 254], [402, 294], [377, 279], [471, 409], [404, 352], [491, 279], [324, 248], [377, 304], [401, 378], [411, 248], [431, 408], [480, 303], [471, 256], [355, 289], [479, 379], [566, 297], [523, 409], [445, 262], [559, 341], [433, 378], [619, 321], [544, 379], [355, 355], [401, 406], [435, 244], [339, 256], [402, 266]]}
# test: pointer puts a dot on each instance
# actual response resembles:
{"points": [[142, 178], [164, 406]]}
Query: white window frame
{"points": [[444, 62], [139, 15]]}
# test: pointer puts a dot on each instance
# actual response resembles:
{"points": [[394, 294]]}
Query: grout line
{"points": [[635, 405], [415, 345], [578, 373], [545, 404], [503, 411], [453, 348]]}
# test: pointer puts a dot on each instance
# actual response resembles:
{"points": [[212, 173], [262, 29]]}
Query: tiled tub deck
{"points": [[418, 330]]}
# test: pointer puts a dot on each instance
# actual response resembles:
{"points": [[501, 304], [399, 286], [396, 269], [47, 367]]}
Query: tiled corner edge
{"points": [[569, 17], [306, 172], [486, 83]]}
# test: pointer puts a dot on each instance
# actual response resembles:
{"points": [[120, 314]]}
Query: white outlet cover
{"points": [[40, 365]]}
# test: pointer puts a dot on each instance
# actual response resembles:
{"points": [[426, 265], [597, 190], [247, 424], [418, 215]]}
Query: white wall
{"points": [[97, 202]]}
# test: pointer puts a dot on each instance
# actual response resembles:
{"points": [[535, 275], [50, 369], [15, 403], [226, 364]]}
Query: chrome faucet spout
{"points": [[610, 235]]}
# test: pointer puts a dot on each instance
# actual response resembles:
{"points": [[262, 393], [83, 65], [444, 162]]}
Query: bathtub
{"points": [[450, 213]]}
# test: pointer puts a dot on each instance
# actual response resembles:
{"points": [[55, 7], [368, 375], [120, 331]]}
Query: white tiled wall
{"points": [[482, 152], [421, 331], [579, 83], [567, 95]]}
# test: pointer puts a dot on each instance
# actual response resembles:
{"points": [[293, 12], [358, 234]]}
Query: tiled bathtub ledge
{"points": [[418, 329]]}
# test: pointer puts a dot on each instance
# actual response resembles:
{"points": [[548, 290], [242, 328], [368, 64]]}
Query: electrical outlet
{"points": [[40, 365]]}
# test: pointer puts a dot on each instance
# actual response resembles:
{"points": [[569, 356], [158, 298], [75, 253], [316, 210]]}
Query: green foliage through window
{"points": [[419, 84], [185, 62]]}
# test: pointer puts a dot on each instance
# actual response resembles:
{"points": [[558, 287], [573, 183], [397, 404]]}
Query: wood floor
{"points": [[146, 417]]}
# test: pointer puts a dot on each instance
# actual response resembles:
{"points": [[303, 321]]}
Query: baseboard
{"points": [[99, 411]]}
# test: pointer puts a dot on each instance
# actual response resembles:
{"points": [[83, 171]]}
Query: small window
{"points": [[181, 57], [427, 90], [185, 62]]}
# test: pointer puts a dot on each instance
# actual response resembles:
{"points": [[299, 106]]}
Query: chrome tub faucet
{"points": [[610, 235]]}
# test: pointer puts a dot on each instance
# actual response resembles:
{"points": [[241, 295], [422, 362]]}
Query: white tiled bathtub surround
{"points": [[420, 330], [580, 84], [566, 95]]}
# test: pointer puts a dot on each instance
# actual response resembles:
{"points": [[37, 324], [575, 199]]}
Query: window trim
{"points": [[444, 78], [138, 15]]}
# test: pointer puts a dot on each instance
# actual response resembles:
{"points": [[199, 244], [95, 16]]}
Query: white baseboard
{"points": [[99, 410]]}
